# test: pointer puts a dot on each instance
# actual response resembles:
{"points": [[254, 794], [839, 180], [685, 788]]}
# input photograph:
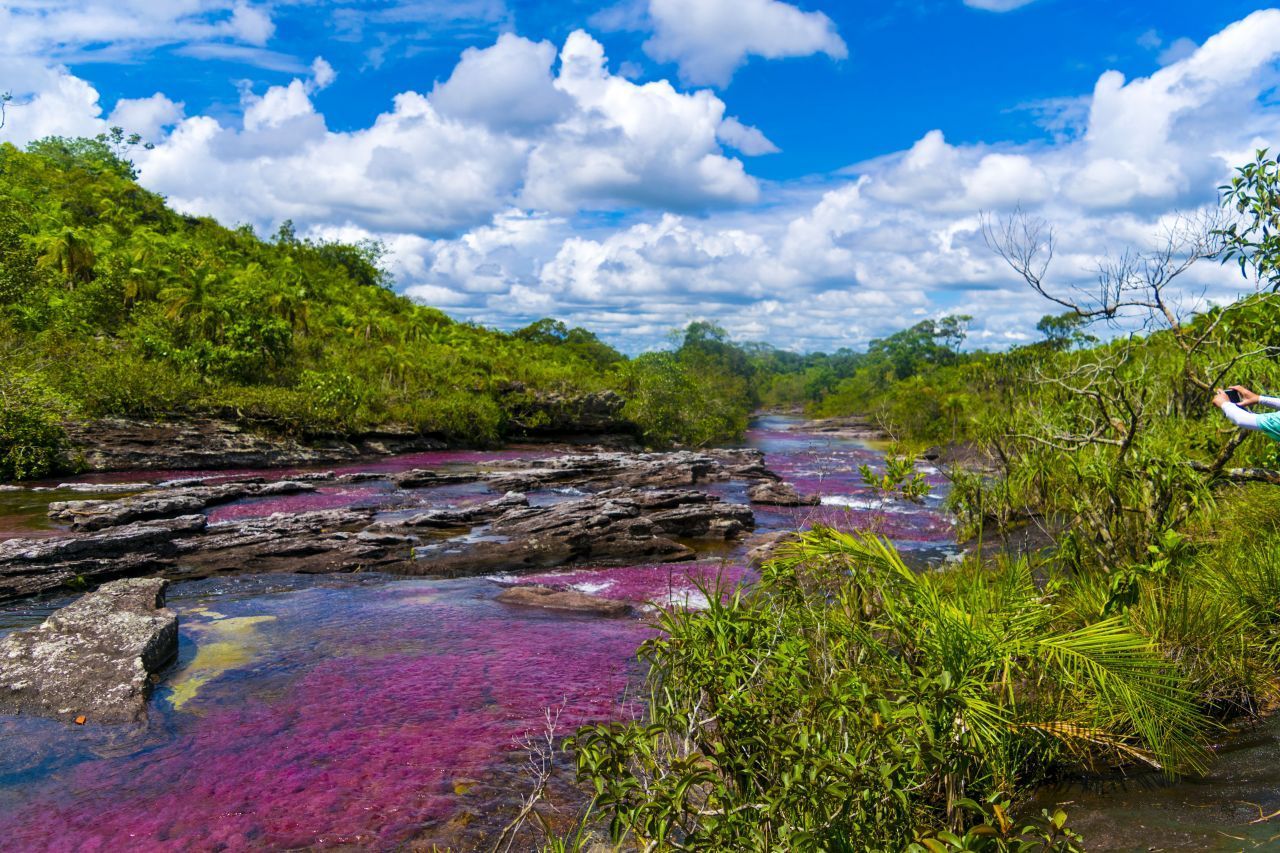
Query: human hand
{"points": [[1220, 398], [1247, 397]]}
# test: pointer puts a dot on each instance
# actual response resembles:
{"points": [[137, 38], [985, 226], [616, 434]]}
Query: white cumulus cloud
{"points": [[710, 39]]}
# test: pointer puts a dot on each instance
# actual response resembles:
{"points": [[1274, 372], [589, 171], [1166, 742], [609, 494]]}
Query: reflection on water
{"points": [[1235, 807], [368, 710]]}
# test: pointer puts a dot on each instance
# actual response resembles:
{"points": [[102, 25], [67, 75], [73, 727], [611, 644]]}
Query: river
{"points": [[378, 711]]}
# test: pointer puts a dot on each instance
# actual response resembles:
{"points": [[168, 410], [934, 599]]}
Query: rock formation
{"points": [[93, 658]]}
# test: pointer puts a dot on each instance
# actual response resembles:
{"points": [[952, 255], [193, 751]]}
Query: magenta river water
{"points": [[374, 711]]}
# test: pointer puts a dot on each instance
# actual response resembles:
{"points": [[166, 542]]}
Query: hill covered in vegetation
{"points": [[112, 304]]}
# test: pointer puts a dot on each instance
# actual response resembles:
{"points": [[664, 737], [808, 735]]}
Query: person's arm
{"points": [[1239, 417], [1235, 414], [1249, 398]]}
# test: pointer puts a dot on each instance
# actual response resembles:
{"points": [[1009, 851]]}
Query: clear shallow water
{"points": [[368, 710], [340, 712]]}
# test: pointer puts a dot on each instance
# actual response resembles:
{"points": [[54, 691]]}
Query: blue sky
{"points": [[912, 66], [514, 171]]}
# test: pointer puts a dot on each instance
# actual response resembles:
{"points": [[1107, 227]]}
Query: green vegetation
{"points": [[111, 304], [847, 702]]}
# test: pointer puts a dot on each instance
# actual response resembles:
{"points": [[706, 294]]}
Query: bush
{"points": [[30, 444], [849, 703], [114, 383], [672, 403]]}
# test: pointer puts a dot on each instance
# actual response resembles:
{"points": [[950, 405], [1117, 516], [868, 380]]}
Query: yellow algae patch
{"points": [[204, 611], [232, 642]]}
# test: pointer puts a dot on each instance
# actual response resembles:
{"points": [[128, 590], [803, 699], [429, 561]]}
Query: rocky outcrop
{"points": [[309, 542], [165, 503], [687, 514], [563, 599], [614, 528], [161, 530], [30, 566], [115, 444], [636, 470], [778, 493], [465, 516], [94, 658], [418, 478], [847, 427]]}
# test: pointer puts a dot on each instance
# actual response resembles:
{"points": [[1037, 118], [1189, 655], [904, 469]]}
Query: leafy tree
{"points": [[927, 343], [1253, 241], [1063, 331]]}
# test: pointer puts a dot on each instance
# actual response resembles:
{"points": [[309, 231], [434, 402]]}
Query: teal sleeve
{"points": [[1270, 424]]}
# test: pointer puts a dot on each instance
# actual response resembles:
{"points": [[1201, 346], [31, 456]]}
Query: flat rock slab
{"points": [[634, 470], [29, 566], [165, 503], [95, 657], [563, 599]]}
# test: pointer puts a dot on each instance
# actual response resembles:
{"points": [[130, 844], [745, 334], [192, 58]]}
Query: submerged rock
{"points": [[563, 599], [95, 657], [777, 493]]}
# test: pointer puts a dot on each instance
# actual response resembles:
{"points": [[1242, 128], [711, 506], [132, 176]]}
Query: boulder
{"points": [[778, 493], [563, 599], [95, 657]]}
